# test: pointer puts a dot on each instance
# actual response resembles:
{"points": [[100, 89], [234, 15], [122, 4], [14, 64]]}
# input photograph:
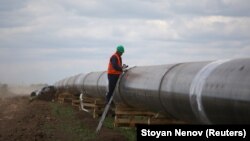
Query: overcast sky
{"points": [[43, 41]]}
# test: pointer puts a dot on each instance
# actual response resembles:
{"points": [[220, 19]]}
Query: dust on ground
{"points": [[23, 120], [7, 90]]}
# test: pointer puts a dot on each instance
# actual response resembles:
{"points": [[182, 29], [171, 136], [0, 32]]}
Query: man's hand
{"points": [[124, 68]]}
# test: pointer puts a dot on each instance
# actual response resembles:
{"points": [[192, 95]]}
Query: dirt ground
{"points": [[22, 120]]}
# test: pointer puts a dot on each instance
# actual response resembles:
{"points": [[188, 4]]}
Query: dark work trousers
{"points": [[113, 78]]}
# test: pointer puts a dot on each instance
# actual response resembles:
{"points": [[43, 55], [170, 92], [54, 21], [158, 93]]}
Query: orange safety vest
{"points": [[111, 70]]}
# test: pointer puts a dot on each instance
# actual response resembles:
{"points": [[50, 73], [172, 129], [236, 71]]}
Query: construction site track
{"points": [[25, 120]]}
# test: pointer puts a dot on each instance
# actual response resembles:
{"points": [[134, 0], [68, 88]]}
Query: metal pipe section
{"points": [[211, 92], [95, 83]]}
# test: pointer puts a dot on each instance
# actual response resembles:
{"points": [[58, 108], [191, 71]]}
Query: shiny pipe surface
{"points": [[197, 92], [92, 84]]}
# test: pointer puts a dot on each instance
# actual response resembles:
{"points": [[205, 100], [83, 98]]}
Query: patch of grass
{"points": [[71, 128], [60, 111], [129, 133], [109, 122], [67, 124]]}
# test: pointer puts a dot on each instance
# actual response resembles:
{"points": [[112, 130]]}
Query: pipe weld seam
{"points": [[197, 87]]}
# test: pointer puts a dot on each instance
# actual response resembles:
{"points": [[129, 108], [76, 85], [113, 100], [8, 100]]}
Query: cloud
{"points": [[49, 40], [229, 8]]}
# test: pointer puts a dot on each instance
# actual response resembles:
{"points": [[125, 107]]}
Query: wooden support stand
{"points": [[94, 105], [76, 102], [129, 117], [64, 98]]}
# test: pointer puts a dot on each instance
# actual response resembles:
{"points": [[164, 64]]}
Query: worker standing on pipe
{"points": [[115, 69]]}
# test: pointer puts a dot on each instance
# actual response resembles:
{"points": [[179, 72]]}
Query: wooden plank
{"points": [[146, 120], [94, 105], [76, 101], [139, 113], [129, 117], [68, 100], [165, 121], [89, 105], [129, 122]]}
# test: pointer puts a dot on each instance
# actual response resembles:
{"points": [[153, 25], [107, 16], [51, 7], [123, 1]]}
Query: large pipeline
{"points": [[211, 92]]}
